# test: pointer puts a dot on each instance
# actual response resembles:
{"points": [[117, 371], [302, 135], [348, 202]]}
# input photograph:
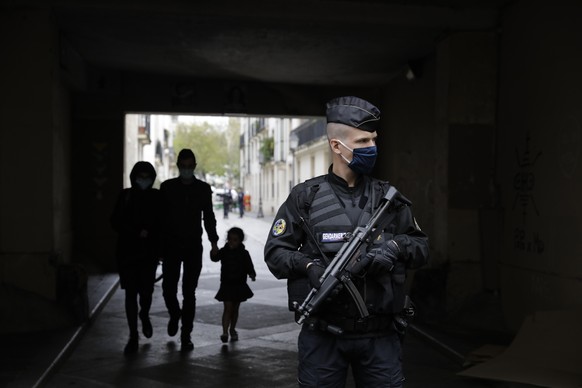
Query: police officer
{"points": [[310, 227]]}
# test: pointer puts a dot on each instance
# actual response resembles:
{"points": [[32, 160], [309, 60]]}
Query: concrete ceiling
{"points": [[306, 42]]}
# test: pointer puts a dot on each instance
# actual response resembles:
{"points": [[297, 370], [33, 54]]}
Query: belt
{"points": [[344, 325]]}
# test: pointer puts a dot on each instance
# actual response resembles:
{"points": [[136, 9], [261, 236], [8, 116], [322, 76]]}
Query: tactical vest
{"points": [[327, 218]]}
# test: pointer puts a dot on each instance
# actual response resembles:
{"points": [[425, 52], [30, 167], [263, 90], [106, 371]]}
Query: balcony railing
{"points": [[310, 131], [257, 126]]}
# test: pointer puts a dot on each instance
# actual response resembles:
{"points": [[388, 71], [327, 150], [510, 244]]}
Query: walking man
{"points": [[187, 203]]}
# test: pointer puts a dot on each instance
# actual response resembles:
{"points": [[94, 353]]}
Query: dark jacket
{"points": [[236, 264], [137, 210], [185, 208], [285, 252]]}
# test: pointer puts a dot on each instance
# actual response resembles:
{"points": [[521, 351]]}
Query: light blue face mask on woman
{"points": [[363, 159], [143, 183]]}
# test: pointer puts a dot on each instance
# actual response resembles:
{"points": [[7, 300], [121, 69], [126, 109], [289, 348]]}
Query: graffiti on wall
{"points": [[524, 182], [525, 243]]}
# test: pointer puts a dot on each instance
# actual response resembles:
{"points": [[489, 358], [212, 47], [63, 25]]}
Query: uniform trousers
{"points": [[191, 260], [324, 359]]}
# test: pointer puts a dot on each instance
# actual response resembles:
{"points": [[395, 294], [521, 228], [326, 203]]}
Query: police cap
{"points": [[355, 112]]}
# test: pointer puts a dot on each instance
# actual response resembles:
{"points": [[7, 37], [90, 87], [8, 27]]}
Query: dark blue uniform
{"points": [[371, 347]]}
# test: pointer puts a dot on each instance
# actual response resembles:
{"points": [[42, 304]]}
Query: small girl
{"points": [[236, 264]]}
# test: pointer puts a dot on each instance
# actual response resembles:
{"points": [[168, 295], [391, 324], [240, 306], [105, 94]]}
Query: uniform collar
{"points": [[341, 183]]}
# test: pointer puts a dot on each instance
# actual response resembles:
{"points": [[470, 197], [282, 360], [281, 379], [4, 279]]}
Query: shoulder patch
{"points": [[279, 227]]}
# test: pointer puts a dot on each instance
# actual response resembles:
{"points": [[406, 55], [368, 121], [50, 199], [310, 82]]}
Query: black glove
{"points": [[314, 272], [378, 260]]}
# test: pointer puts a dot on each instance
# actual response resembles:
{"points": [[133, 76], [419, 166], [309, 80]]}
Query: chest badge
{"points": [[279, 227], [332, 237]]}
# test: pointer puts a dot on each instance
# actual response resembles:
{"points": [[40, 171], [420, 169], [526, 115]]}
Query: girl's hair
{"points": [[236, 231]]}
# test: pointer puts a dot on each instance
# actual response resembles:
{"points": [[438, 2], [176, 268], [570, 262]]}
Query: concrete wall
{"points": [[35, 230], [410, 159], [540, 152], [98, 177], [466, 131], [406, 145], [437, 148], [487, 143]]}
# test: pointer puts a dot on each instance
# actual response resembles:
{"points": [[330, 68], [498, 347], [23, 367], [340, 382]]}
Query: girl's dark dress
{"points": [[236, 266]]}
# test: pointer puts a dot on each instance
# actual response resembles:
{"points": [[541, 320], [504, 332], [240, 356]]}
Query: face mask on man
{"points": [[363, 159], [186, 173], [143, 183]]}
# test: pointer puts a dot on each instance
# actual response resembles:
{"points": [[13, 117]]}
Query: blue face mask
{"points": [[143, 183], [363, 159]]}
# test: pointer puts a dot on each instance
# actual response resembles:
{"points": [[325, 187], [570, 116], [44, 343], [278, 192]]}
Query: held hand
{"points": [[314, 272], [214, 250]]}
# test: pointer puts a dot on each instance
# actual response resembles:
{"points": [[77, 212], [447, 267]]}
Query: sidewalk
{"points": [[27, 359], [265, 355], [30, 359]]}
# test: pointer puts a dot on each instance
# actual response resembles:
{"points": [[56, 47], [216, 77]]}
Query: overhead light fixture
{"points": [[410, 74], [413, 69]]}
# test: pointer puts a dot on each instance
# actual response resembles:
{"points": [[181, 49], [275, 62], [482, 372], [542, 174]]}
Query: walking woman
{"points": [[136, 219]]}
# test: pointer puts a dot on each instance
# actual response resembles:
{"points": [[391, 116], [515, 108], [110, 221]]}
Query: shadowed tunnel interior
{"points": [[480, 128]]}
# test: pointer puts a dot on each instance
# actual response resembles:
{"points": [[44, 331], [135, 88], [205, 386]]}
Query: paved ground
{"points": [[265, 355]]}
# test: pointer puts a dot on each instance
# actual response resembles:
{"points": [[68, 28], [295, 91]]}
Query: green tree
{"points": [[216, 149], [268, 149]]}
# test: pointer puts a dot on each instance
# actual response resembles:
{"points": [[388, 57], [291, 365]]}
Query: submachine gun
{"points": [[338, 271]]}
